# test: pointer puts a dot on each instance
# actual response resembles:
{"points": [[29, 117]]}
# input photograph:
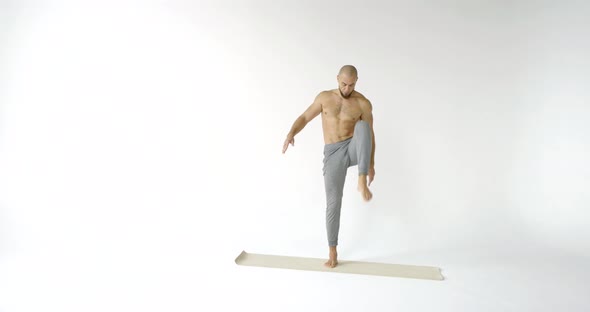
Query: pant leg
{"points": [[336, 163], [361, 147]]}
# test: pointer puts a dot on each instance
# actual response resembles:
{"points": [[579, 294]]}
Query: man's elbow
{"points": [[301, 121], [304, 119]]}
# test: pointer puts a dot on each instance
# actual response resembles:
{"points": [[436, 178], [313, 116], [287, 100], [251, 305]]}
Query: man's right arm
{"points": [[310, 113]]}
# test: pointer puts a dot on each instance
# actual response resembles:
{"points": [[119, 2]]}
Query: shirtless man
{"points": [[347, 123]]}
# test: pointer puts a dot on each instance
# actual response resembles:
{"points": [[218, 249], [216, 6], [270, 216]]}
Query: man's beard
{"points": [[344, 96]]}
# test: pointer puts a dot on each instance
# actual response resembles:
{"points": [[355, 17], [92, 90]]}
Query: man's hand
{"points": [[289, 140], [371, 174]]}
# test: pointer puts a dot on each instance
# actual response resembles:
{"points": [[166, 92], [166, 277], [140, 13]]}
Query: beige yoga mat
{"points": [[344, 266]]}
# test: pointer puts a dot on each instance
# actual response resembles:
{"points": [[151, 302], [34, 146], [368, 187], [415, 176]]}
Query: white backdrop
{"points": [[140, 142]]}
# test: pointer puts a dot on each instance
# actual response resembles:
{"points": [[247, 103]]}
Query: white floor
{"points": [[517, 278], [479, 279]]}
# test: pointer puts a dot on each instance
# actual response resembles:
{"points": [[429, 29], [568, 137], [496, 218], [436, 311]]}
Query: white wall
{"points": [[550, 177], [479, 111], [134, 131]]}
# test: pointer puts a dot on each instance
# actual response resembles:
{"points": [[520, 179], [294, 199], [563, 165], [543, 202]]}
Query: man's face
{"points": [[346, 85]]}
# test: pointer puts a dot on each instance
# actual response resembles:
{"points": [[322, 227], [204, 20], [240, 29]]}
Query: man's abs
{"points": [[336, 131]]}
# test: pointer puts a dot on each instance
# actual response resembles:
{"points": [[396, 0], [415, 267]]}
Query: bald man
{"points": [[347, 123]]}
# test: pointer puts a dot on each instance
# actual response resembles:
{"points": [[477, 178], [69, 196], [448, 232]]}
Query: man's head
{"points": [[347, 78]]}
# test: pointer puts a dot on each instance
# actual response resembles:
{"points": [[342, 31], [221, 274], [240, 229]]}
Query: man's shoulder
{"points": [[325, 95], [360, 96], [362, 99]]}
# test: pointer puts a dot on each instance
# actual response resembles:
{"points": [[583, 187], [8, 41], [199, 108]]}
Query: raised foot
{"points": [[365, 192], [363, 188]]}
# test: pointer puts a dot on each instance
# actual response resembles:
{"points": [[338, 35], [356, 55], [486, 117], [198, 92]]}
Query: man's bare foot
{"points": [[333, 261], [364, 189]]}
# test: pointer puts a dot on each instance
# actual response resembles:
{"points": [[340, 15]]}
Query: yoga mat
{"points": [[344, 266]]}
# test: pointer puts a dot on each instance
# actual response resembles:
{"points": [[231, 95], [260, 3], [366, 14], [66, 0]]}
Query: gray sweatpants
{"points": [[337, 158]]}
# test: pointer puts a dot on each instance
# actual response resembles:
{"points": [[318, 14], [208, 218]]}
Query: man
{"points": [[347, 123]]}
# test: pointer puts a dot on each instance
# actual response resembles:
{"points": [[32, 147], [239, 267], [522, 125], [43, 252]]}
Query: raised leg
{"points": [[359, 152]]}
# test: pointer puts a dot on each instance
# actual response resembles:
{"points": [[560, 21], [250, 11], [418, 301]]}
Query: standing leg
{"points": [[359, 152], [334, 183], [336, 163]]}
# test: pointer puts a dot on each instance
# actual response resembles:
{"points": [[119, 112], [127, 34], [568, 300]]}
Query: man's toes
{"points": [[331, 263]]}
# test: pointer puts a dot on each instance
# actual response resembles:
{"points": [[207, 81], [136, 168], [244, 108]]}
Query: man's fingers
{"points": [[286, 144]]}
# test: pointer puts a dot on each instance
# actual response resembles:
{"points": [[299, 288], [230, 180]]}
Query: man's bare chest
{"points": [[342, 109]]}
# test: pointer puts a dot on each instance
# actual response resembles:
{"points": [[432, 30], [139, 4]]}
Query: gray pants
{"points": [[337, 158]]}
